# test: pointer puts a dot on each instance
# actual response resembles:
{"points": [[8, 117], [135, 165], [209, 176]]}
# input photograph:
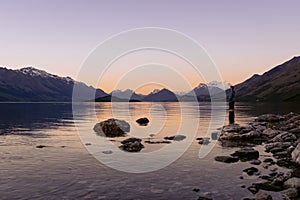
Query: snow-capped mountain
{"points": [[41, 73], [205, 90], [127, 95], [30, 84], [31, 71], [222, 85]]}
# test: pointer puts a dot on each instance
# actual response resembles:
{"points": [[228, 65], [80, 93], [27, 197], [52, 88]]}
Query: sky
{"points": [[242, 38]]}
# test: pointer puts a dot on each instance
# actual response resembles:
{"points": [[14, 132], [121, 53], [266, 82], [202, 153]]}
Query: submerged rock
{"points": [[204, 141], [112, 128], [268, 160], [255, 162], [107, 152], [246, 154], [251, 171], [215, 135], [226, 159], [262, 196], [158, 142], [196, 190], [175, 137], [253, 189], [204, 198], [267, 185], [143, 121]]}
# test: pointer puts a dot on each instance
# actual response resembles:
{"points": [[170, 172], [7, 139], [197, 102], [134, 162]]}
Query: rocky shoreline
{"points": [[280, 136]]}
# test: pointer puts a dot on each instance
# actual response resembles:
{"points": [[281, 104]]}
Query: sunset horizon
{"points": [[137, 99], [147, 88]]}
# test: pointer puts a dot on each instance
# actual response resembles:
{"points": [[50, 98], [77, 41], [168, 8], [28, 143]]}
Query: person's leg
{"points": [[231, 105], [231, 116], [231, 112]]}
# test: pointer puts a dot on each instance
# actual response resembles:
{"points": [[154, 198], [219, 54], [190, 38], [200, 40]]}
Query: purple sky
{"points": [[241, 37]]}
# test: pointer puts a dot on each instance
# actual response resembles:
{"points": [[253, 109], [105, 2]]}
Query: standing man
{"points": [[231, 101]]}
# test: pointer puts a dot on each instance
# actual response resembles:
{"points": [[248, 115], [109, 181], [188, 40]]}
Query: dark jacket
{"points": [[231, 96]]}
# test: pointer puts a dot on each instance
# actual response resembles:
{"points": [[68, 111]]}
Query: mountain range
{"points": [[30, 84], [281, 83]]}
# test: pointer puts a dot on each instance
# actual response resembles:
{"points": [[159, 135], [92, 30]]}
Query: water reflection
{"points": [[19, 117], [260, 108], [71, 173]]}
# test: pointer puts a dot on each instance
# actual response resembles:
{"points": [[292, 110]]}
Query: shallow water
{"points": [[65, 169]]}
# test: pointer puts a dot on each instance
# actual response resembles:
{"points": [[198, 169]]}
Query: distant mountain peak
{"points": [[41, 73], [155, 91], [218, 84], [201, 85], [126, 94], [161, 95], [36, 72], [294, 59]]}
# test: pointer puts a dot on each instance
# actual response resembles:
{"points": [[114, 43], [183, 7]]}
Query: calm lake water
{"points": [[65, 169]]}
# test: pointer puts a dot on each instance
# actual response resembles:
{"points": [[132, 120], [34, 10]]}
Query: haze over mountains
{"points": [[282, 83]]}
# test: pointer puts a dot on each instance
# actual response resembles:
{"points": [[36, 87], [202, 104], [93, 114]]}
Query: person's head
{"points": [[232, 87]]}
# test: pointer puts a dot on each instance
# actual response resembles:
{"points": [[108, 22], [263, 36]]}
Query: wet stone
{"points": [[41, 146], [175, 137], [246, 154], [226, 159], [143, 121], [251, 171], [255, 162]]}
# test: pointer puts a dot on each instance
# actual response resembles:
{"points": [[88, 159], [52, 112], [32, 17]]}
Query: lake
{"points": [[65, 168]]}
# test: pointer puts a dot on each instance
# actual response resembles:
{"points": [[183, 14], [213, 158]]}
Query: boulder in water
{"points": [[143, 121], [112, 128], [132, 146]]}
